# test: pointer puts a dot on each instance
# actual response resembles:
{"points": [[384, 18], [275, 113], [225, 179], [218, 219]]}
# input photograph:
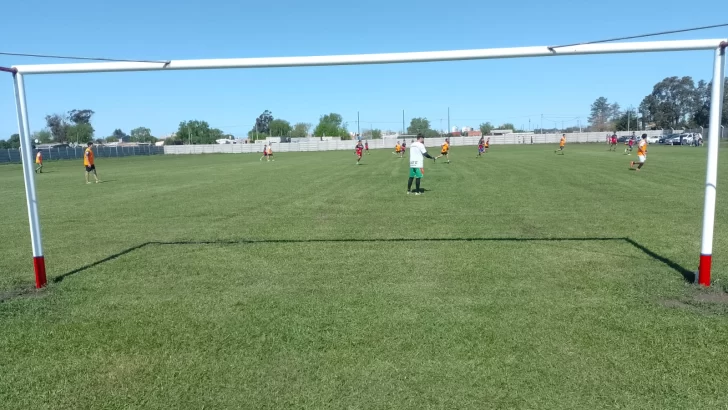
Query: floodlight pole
{"points": [[29, 178], [716, 102]]}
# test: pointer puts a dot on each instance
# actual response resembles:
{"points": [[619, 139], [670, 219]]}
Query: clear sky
{"points": [[516, 91]]}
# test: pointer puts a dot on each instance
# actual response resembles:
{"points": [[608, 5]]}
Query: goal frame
{"points": [[718, 46]]}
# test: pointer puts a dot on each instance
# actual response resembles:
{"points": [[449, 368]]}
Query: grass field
{"points": [[521, 280]]}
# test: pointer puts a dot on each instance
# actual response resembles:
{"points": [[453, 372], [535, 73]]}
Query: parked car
{"points": [[653, 140], [623, 139], [680, 139], [665, 138]]}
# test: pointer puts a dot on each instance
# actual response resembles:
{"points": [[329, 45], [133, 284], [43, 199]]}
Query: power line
{"points": [[642, 36], [82, 58]]}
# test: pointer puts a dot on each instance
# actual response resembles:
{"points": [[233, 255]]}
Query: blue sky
{"points": [[516, 91]]}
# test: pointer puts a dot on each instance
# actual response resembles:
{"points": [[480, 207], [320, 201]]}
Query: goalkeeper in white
{"points": [[418, 153]]}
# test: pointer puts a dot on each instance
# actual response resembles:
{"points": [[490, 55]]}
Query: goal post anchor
{"points": [[31, 196], [711, 177]]}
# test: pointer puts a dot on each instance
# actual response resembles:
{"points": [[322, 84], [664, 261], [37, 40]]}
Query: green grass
{"points": [[521, 280]]}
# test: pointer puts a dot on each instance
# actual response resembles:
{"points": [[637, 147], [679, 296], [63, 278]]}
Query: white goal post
{"points": [[718, 46]]}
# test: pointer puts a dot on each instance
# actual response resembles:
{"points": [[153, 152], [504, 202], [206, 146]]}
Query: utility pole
{"points": [[628, 117], [403, 129], [358, 130], [541, 124], [448, 121], [529, 125]]}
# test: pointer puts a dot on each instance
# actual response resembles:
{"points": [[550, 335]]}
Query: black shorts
{"points": [[90, 168]]}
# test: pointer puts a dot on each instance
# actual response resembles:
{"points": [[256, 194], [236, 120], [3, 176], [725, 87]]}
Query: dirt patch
{"points": [[716, 297], [29, 292], [674, 303]]}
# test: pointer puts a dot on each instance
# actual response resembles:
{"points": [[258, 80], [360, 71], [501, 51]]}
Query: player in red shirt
{"points": [[366, 146], [613, 143], [628, 149], [359, 151]]}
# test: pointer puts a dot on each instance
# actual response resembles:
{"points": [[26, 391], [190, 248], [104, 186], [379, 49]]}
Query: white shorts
{"points": [[642, 158]]}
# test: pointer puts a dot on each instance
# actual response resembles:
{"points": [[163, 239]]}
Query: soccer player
{"points": [[418, 153], [641, 153], [445, 151], [265, 152], [403, 148], [366, 146], [359, 151], [396, 149], [562, 144], [487, 145], [613, 143], [270, 152], [88, 162], [39, 161], [481, 147], [628, 149]]}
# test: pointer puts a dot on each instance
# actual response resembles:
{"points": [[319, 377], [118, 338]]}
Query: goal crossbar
{"points": [[387, 58], [716, 99]]}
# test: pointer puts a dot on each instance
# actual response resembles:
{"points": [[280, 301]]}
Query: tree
{"points": [[300, 130], [80, 116], [418, 126], [262, 125], [507, 126], [141, 134], [119, 135], [486, 128], [81, 133], [12, 143], [57, 125], [197, 132], [376, 134], [614, 112], [673, 102], [601, 112], [331, 125], [627, 121], [43, 136], [112, 139], [280, 128]]}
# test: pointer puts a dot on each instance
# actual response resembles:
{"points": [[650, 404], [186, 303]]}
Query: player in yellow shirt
{"points": [[562, 144], [445, 150], [641, 153], [88, 162], [39, 161], [397, 148]]}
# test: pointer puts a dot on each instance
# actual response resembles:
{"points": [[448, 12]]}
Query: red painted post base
{"points": [[40, 273], [704, 269]]}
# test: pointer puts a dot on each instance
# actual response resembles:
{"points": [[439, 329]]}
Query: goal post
{"points": [[716, 99], [711, 177]]}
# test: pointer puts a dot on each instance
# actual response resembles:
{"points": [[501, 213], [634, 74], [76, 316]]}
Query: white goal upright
{"points": [[718, 47]]}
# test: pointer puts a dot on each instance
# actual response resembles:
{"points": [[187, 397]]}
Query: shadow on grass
{"points": [[687, 275]]}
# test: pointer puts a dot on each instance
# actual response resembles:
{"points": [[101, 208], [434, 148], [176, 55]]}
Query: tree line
{"points": [[74, 127], [675, 102]]}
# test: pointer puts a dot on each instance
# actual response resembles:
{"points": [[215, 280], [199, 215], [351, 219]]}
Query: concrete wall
{"points": [[389, 143]]}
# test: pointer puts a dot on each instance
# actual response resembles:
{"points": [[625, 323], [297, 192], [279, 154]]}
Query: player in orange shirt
{"points": [[445, 150], [487, 145], [641, 153], [39, 161], [88, 162], [397, 148], [562, 144]]}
